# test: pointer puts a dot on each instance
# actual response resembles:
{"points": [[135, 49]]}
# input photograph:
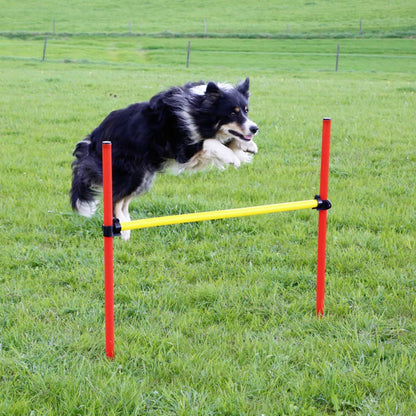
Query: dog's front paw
{"points": [[244, 157], [228, 158], [249, 147], [219, 154], [239, 145], [236, 162]]}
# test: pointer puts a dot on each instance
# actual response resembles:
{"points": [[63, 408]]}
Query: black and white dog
{"points": [[184, 128]]}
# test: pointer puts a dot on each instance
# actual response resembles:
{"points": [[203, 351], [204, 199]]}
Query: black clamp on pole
{"points": [[323, 204], [112, 230]]}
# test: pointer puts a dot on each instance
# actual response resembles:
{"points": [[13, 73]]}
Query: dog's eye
{"points": [[235, 111], [246, 109]]}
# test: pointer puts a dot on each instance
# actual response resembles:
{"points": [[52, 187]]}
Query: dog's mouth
{"points": [[247, 138]]}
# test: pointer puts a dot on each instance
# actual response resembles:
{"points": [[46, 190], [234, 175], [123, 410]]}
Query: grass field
{"points": [[212, 318], [356, 55], [316, 17]]}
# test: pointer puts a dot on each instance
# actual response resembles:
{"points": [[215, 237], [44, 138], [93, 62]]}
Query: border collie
{"points": [[186, 128]]}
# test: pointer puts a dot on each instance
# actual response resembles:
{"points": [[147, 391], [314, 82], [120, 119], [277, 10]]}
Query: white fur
{"points": [[86, 209], [201, 89], [121, 208], [219, 154], [243, 150], [121, 211], [213, 153], [249, 147], [189, 124]]}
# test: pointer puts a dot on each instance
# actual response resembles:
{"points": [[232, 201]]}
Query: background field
{"points": [[314, 17], [212, 318], [356, 55]]}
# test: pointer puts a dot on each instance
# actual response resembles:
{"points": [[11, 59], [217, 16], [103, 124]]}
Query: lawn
{"points": [[214, 318]]}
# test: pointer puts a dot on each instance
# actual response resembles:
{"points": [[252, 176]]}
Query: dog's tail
{"points": [[86, 178]]}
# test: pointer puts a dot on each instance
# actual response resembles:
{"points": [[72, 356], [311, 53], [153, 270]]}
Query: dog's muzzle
{"points": [[247, 137]]}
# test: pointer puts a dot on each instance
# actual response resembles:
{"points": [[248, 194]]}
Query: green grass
{"points": [[249, 17], [362, 55], [212, 318]]}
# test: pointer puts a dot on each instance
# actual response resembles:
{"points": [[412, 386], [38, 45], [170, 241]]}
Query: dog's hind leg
{"points": [[125, 207], [121, 207], [118, 210], [119, 213]]}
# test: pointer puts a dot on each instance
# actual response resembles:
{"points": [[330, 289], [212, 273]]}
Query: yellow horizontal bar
{"points": [[217, 215]]}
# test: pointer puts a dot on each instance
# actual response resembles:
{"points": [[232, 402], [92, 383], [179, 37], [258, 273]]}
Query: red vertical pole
{"points": [[323, 193], [108, 249]]}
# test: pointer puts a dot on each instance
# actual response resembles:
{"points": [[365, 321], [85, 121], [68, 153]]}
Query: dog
{"points": [[187, 128]]}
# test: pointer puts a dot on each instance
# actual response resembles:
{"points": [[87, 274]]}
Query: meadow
{"points": [[270, 17], [214, 318]]}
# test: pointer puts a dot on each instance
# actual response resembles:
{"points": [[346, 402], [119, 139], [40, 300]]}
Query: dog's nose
{"points": [[254, 129]]}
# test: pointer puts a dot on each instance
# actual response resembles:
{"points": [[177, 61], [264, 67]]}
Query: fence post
{"points": [[336, 64], [189, 52], [44, 48]]}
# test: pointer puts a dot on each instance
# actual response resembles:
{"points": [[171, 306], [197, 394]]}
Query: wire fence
{"points": [[269, 54]]}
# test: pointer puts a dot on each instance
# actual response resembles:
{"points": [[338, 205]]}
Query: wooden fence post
{"points": [[336, 64], [44, 48], [189, 52]]}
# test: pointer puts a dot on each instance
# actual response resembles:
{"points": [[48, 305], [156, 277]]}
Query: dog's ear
{"points": [[213, 90], [243, 87]]}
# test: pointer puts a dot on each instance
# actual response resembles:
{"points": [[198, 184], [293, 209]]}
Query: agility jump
{"points": [[112, 227]]}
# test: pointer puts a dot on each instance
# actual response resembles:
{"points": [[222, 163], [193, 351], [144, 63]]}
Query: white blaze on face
{"points": [[250, 128]]}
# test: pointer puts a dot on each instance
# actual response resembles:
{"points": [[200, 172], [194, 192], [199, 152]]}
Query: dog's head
{"points": [[230, 105]]}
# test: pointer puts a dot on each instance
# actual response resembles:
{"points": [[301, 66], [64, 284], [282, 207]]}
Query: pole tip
{"points": [[327, 118]]}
